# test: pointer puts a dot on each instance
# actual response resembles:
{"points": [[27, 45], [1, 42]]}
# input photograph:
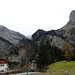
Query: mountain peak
{"points": [[72, 16]]}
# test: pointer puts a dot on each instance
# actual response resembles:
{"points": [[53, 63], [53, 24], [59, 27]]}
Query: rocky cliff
{"points": [[60, 36]]}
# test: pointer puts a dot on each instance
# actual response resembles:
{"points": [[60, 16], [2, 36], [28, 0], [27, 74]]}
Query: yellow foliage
{"points": [[68, 50]]}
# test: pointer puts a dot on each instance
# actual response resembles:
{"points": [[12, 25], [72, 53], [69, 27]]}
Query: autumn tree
{"points": [[68, 50]]}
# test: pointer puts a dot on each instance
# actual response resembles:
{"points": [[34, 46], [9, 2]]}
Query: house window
{"points": [[7, 64], [1, 65]]}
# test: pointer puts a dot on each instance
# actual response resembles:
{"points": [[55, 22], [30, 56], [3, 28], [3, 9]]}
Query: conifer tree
{"points": [[43, 58], [48, 52], [55, 53], [41, 54]]}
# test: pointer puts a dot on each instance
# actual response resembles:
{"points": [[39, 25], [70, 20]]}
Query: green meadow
{"points": [[60, 68]]}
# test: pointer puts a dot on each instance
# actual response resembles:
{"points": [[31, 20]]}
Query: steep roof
{"points": [[1, 59]]}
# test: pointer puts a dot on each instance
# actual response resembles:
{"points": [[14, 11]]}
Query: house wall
{"points": [[3, 67]]}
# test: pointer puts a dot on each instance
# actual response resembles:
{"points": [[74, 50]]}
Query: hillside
{"points": [[62, 66], [20, 51]]}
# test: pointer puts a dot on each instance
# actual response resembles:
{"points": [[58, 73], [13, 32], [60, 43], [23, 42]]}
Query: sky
{"points": [[27, 16]]}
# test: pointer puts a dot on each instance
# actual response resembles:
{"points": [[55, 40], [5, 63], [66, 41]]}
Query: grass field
{"points": [[60, 68]]}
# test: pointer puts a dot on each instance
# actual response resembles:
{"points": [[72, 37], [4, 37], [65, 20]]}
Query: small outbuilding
{"points": [[3, 64]]}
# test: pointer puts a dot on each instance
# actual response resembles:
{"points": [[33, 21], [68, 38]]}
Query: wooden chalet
{"points": [[3, 64]]}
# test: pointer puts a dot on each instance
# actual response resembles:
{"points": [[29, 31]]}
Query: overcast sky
{"points": [[26, 16]]}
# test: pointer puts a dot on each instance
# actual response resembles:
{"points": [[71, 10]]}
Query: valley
{"points": [[40, 46]]}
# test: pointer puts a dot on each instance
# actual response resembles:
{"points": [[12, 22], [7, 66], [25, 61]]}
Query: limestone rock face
{"points": [[53, 37], [72, 16]]}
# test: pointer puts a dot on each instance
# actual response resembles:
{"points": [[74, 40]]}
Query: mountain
{"points": [[60, 36], [12, 36]]}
